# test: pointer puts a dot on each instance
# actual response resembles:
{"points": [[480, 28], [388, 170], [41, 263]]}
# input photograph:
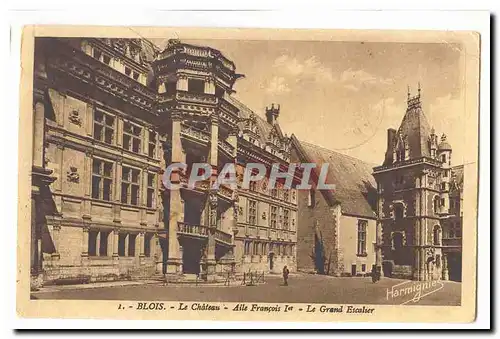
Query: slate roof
{"points": [[263, 127], [416, 127], [457, 177], [353, 179]]}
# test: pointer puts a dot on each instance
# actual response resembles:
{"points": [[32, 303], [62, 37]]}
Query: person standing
{"points": [[285, 275]]}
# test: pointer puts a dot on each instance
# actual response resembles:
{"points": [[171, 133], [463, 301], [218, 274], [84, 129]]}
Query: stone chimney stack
{"points": [[391, 137], [272, 114]]}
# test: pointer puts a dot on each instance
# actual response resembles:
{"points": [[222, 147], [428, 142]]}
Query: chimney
{"points": [[391, 136], [272, 114]]}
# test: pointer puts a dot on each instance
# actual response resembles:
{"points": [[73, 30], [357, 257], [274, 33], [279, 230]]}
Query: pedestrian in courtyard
{"points": [[285, 275]]}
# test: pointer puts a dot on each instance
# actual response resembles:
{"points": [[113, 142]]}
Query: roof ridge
{"points": [[336, 152]]}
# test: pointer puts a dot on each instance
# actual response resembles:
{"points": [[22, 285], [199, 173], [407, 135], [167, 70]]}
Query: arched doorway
{"points": [[455, 266], [271, 261]]}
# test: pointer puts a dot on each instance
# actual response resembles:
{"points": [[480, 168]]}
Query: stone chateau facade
{"points": [[419, 207], [109, 116]]}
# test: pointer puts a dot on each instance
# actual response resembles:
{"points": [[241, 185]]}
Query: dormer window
{"points": [[219, 91], [106, 59], [97, 54]]}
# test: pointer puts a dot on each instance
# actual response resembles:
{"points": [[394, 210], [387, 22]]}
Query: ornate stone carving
{"points": [[73, 175], [264, 216], [74, 117]]}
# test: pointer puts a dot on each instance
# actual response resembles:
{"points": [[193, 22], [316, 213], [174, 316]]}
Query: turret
{"points": [[433, 143], [444, 152]]}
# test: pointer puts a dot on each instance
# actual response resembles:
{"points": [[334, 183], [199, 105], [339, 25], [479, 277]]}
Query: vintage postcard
{"points": [[248, 174]]}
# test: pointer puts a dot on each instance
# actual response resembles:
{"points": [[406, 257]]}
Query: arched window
{"points": [[437, 235], [397, 241], [436, 204], [398, 211]]}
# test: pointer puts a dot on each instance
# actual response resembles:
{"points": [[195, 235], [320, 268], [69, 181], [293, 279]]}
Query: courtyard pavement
{"points": [[302, 288]]}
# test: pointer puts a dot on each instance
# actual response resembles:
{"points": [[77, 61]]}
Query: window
{"points": [[131, 245], [445, 174], [135, 75], [128, 71], [311, 198], [255, 248], [443, 158], [196, 86], [151, 190], [398, 212], [363, 267], [274, 216], [97, 53], [122, 238], [103, 127], [247, 247], [92, 248], [286, 195], [362, 237], [147, 244], [436, 204], [263, 248], [219, 91], [152, 144], [170, 87], [130, 186], [442, 202], [437, 235], [451, 233], [132, 137], [397, 241], [101, 179], [286, 219], [252, 212], [103, 244], [274, 192], [443, 186], [106, 59]]}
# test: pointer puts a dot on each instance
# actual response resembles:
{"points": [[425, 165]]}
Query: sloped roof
{"points": [[416, 127], [263, 127], [150, 50], [457, 177], [353, 179]]}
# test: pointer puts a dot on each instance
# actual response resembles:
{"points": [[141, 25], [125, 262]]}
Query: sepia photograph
{"points": [[214, 173]]}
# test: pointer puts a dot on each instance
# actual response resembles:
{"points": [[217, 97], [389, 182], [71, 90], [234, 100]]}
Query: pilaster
{"points": [[85, 242], [56, 230], [38, 133], [176, 215], [116, 239]]}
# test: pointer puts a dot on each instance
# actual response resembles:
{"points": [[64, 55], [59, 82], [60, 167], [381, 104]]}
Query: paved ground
{"points": [[301, 289]]}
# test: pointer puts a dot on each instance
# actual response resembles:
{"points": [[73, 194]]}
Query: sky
{"points": [[345, 95]]}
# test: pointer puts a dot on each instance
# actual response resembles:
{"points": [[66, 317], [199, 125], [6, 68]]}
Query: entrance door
{"points": [[455, 266], [191, 257], [271, 261], [353, 270]]}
